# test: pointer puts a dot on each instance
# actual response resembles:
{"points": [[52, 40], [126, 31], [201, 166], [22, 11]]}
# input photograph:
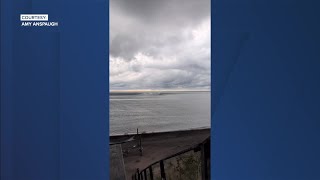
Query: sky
{"points": [[159, 44]]}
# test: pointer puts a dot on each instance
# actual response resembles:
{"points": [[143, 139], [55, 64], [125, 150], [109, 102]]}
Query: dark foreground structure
{"points": [[178, 155], [190, 164]]}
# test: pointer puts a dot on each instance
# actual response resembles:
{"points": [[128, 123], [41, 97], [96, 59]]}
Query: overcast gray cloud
{"points": [[157, 44]]}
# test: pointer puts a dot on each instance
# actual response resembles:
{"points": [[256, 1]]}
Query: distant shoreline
{"points": [[145, 134], [136, 92], [152, 90], [161, 132]]}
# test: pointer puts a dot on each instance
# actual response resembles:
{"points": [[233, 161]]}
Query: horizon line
{"points": [[150, 90]]}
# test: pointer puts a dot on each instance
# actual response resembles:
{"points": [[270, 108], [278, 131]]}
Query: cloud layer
{"points": [[159, 44]]}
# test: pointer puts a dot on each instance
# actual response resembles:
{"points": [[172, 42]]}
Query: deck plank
{"points": [[117, 169]]}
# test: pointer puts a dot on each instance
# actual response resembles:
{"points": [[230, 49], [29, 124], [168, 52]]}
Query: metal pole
{"points": [[151, 173], [138, 174], [204, 172], [140, 145], [163, 174], [145, 175]]}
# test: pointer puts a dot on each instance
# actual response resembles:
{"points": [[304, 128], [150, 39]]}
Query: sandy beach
{"points": [[157, 146]]}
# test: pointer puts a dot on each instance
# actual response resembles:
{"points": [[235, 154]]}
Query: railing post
{"points": [[151, 173], [138, 174], [163, 174], [205, 155], [145, 174], [203, 163]]}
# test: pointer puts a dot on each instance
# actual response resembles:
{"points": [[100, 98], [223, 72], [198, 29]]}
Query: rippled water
{"points": [[159, 112]]}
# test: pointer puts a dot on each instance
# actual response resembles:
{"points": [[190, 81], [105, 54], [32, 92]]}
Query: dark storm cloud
{"points": [[165, 11], [159, 44]]}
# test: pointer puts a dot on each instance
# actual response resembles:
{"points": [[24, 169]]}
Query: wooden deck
{"points": [[117, 169]]}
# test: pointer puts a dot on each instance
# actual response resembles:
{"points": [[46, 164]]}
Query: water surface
{"points": [[155, 112]]}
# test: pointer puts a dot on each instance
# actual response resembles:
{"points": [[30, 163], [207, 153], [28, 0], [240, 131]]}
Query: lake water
{"points": [[159, 112]]}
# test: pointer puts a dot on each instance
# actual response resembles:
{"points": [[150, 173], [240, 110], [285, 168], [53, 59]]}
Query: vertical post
{"points": [[138, 174], [151, 173], [140, 142], [145, 174], [204, 169], [163, 174], [207, 156]]}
